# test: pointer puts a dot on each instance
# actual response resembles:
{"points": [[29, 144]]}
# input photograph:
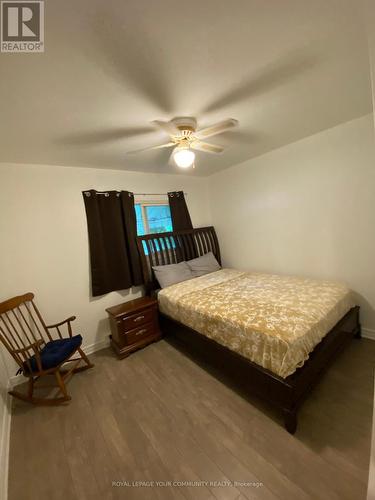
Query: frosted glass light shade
{"points": [[184, 157]]}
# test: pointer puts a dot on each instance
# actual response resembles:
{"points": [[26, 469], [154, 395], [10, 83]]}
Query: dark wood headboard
{"points": [[160, 249]]}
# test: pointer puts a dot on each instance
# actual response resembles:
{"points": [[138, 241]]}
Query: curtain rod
{"points": [[152, 194], [138, 194]]}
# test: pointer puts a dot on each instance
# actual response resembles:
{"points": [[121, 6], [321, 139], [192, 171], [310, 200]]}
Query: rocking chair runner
{"points": [[31, 343]]}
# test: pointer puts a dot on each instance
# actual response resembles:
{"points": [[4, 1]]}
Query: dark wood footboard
{"points": [[285, 394]]}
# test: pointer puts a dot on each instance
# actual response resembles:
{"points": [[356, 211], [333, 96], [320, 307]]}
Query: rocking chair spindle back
{"points": [[31, 343]]}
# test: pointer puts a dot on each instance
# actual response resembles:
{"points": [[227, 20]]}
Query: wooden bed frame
{"points": [[285, 394]]}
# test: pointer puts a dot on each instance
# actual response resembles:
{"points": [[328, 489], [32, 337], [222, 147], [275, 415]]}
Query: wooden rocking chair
{"points": [[33, 346]]}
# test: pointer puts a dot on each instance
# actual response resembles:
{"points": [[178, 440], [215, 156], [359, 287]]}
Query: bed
{"points": [[275, 335]]}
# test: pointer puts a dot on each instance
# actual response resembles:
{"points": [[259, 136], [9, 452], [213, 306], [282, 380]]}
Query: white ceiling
{"points": [[284, 68]]}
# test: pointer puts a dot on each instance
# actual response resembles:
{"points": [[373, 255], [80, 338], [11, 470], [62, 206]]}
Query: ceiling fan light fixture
{"points": [[185, 138], [184, 157]]}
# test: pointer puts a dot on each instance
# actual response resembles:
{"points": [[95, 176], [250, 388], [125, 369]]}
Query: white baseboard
{"points": [[97, 346], [368, 333], [16, 380], [4, 449]]}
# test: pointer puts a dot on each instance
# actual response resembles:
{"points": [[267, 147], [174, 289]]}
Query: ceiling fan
{"points": [[184, 138]]}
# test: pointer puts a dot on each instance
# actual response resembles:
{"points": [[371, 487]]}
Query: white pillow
{"points": [[203, 265], [172, 273]]}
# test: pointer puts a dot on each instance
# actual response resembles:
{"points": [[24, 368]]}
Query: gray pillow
{"points": [[172, 274], [203, 265]]}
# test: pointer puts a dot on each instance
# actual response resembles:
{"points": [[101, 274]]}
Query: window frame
{"points": [[145, 203]]}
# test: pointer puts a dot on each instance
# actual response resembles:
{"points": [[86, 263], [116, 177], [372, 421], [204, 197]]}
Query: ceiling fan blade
{"points": [[94, 137], [139, 69], [217, 129], [167, 127], [207, 148], [160, 146], [291, 66]]}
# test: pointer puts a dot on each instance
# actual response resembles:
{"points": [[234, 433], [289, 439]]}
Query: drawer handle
{"points": [[138, 318], [141, 332]]}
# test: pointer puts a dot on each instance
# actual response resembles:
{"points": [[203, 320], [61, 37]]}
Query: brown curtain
{"points": [[130, 228], [179, 211], [111, 229]]}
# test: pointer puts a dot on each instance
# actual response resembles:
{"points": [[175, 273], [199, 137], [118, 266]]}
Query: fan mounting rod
{"points": [[185, 123]]}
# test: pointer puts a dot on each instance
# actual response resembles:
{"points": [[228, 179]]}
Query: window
{"points": [[153, 217]]}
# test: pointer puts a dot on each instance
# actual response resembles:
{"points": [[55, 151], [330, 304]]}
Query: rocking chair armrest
{"points": [[68, 320]]}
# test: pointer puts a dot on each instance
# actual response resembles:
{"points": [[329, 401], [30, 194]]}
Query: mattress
{"points": [[275, 321]]}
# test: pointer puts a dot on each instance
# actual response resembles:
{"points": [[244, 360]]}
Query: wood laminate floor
{"points": [[158, 416]]}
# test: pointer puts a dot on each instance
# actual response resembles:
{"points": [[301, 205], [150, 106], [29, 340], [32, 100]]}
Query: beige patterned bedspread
{"points": [[275, 321]]}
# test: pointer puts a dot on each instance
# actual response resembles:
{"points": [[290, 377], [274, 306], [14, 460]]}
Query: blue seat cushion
{"points": [[54, 353]]}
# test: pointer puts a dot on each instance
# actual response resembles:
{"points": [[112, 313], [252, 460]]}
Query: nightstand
{"points": [[134, 324]]}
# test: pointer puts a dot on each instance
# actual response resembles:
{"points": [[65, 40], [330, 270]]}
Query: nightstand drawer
{"points": [[130, 322], [140, 333]]}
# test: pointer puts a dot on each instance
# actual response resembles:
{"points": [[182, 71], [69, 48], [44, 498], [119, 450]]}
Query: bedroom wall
{"points": [[369, 17], [305, 209], [44, 245]]}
